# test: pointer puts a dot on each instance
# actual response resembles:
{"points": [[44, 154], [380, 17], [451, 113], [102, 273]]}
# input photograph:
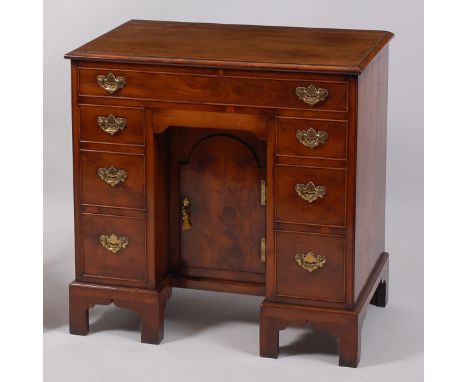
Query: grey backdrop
{"points": [[211, 336]]}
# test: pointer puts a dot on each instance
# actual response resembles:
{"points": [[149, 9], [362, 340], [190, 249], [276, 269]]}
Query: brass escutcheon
{"points": [[113, 243], [310, 261], [111, 175], [111, 124], [311, 138], [186, 223], [111, 83], [311, 95], [310, 192]]}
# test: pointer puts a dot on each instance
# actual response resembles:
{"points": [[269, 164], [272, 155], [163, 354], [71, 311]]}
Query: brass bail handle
{"points": [[186, 224], [311, 95], [111, 83]]}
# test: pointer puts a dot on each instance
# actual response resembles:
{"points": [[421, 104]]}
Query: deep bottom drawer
{"points": [[113, 259], [321, 274]]}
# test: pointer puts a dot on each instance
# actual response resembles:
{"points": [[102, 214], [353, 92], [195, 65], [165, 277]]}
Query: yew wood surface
{"points": [[248, 89], [219, 171], [371, 168], [247, 46], [127, 194], [326, 283], [125, 267], [330, 210], [233, 82], [132, 133], [288, 144]]}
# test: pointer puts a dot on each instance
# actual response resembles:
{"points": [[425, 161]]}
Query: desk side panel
{"points": [[371, 168], [76, 167]]}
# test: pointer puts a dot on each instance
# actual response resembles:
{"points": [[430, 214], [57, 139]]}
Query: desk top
{"points": [[236, 46]]}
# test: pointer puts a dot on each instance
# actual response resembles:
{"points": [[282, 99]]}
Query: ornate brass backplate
{"points": [[310, 261], [311, 138], [310, 192], [111, 83], [111, 175], [311, 95], [110, 124], [113, 243]]}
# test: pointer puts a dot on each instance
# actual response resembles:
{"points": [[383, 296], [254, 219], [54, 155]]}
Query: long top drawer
{"points": [[321, 92]]}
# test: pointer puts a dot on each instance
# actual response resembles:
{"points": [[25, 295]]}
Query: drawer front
{"points": [[311, 138], [213, 89], [315, 205], [111, 125], [310, 266], [111, 179], [113, 249]]}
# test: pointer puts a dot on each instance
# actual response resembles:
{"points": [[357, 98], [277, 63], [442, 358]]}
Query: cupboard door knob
{"points": [[310, 192], [311, 95], [113, 243], [111, 83], [110, 124], [310, 261], [311, 138], [111, 175]]}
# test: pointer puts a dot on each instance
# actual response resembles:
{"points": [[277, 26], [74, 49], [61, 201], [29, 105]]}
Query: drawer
{"points": [[216, 89], [113, 248], [310, 266], [311, 138], [112, 125], [315, 205], [111, 179]]}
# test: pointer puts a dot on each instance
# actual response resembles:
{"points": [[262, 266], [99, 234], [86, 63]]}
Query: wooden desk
{"points": [[240, 159]]}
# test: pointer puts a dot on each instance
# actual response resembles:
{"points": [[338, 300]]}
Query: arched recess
{"points": [[220, 176]]}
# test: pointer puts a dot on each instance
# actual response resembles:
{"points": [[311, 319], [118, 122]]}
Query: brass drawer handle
{"points": [[111, 175], [310, 261], [111, 83], [311, 138], [111, 124], [113, 243], [310, 192], [186, 223], [311, 95]]}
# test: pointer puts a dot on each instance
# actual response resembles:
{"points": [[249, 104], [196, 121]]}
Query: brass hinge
{"points": [[262, 192], [263, 250]]}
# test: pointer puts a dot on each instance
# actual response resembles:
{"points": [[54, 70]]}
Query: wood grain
{"points": [[127, 266], [371, 168], [327, 211], [215, 89], [288, 144], [132, 134], [219, 171], [247, 46], [130, 193], [211, 109], [150, 305], [292, 281], [345, 324]]}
